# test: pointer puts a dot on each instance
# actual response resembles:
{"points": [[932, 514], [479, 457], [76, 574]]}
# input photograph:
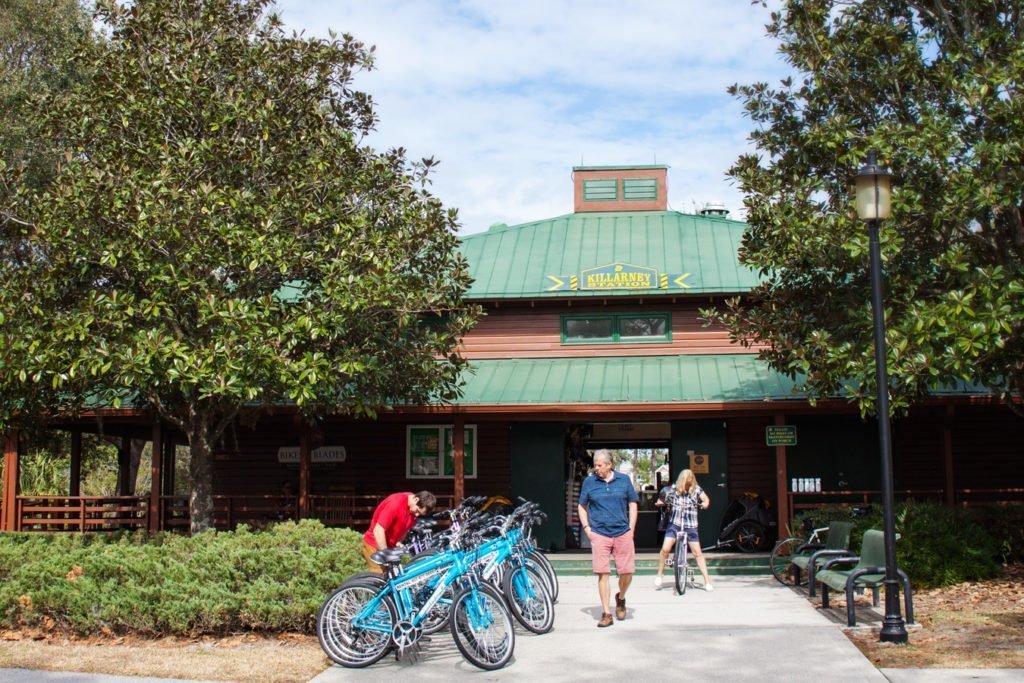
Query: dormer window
{"points": [[604, 190], [639, 189]]}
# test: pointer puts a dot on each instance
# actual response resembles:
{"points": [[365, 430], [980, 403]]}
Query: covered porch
{"points": [[162, 509]]}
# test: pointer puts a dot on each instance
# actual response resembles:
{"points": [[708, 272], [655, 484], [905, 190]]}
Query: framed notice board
{"points": [[429, 452]]}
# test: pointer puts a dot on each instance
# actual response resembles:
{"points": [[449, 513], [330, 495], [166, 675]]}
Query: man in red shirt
{"points": [[392, 520]]}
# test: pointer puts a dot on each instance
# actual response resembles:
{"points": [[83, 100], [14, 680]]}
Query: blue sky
{"points": [[509, 96]]}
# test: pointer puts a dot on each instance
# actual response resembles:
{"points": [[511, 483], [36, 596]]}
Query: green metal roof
{"points": [[625, 380], [687, 254], [635, 379]]}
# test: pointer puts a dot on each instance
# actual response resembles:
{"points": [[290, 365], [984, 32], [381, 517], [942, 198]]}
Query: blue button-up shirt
{"points": [[607, 503]]}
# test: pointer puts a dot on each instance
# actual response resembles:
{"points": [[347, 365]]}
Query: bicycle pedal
{"points": [[409, 655]]}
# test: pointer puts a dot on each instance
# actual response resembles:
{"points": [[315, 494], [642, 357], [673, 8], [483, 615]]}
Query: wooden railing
{"points": [[810, 500], [115, 513], [256, 511], [964, 497], [976, 497], [81, 513], [353, 510]]}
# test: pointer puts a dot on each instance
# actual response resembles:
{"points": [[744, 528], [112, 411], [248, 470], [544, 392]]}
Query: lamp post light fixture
{"points": [[873, 200]]}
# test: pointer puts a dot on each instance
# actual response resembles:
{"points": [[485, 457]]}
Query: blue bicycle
{"points": [[367, 616], [506, 563]]}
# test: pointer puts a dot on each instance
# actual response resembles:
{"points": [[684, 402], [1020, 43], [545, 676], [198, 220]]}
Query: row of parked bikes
{"points": [[474, 578]]}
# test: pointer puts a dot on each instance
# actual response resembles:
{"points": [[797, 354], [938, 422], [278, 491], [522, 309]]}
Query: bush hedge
{"points": [[940, 545], [166, 584], [1005, 523]]}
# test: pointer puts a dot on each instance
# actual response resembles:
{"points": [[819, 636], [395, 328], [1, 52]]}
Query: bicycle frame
{"points": [[497, 551], [455, 564]]}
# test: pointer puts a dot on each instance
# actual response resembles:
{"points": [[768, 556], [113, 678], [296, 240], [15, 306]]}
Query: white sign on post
{"points": [[290, 455]]}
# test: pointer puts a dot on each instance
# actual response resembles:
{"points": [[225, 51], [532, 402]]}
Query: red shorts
{"points": [[619, 548]]}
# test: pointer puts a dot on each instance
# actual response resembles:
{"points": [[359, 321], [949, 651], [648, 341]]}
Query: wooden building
{"points": [[592, 337]]}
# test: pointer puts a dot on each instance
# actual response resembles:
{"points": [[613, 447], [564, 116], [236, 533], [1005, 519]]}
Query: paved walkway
{"points": [[748, 629]]}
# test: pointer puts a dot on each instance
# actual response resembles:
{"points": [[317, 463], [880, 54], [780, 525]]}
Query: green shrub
{"points": [[216, 582], [1006, 525], [937, 546]]}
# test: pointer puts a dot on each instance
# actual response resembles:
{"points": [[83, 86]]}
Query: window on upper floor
{"points": [[616, 327]]}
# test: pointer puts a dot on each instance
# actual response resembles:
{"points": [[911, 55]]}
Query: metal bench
{"points": [[810, 556], [868, 571]]}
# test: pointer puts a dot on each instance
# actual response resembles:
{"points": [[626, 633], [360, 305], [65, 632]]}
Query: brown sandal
{"points": [[606, 620]]}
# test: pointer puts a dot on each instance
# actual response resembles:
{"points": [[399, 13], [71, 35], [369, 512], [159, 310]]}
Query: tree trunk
{"points": [[201, 472]]}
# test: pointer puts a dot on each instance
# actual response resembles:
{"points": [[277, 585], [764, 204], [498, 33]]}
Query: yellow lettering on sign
{"points": [[618, 280]]}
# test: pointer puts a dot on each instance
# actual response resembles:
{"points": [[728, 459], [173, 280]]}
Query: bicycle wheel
{"points": [[482, 627], [528, 599], [750, 537], [782, 555], [350, 645], [547, 571], [679, 566]]}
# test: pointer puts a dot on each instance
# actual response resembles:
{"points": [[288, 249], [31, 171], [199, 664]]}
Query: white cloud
{"points": [[509, 96]]}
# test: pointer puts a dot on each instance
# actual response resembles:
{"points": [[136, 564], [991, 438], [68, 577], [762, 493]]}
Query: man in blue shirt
{"points": [[608, 511]]}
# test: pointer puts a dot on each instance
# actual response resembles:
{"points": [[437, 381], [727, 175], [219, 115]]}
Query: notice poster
{"points": [[424, 446], [468, 462], [699, 463]]}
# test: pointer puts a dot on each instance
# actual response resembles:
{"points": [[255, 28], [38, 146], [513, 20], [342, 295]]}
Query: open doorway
{"points": [[648, 467], [641, 451]]}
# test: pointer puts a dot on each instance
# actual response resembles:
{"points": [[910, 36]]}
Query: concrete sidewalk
{"points": [[748, 629]]}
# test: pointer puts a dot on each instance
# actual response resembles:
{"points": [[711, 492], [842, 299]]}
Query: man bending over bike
{"points": [[392, 520]]}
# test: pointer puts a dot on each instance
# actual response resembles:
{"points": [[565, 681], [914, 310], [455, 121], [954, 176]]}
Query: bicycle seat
{"points": [[388, 556]]}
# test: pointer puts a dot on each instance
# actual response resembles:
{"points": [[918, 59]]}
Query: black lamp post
{"points": [[873, 205]]}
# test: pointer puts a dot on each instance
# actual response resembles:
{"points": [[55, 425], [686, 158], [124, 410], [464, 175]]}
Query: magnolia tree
{"points": [[36, 39], [935, 88], [218, 238]]}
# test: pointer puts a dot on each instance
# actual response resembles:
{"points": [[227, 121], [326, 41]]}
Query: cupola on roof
{"points": [[620, 241], [620, 188]]}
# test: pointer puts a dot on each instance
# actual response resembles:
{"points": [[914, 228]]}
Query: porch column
{"points": [[75, 483], [305, 457], [124, 465], [8, 511], [782, 512], [458, 459], [156, 477], [947, 453], [170, 454]]}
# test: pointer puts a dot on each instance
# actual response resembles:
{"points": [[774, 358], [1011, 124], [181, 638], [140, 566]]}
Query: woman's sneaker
{"points": [[708, 587], [658, 581]]}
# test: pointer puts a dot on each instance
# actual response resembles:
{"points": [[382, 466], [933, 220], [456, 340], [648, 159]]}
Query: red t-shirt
{"points": [[392, 514]]}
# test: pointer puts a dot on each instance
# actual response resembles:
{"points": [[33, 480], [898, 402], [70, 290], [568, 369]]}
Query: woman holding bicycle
{"points": [[685, 499]]}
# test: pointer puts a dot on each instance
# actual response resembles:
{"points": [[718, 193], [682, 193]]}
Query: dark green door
{"points": [[704, 444], [538, 474]]}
